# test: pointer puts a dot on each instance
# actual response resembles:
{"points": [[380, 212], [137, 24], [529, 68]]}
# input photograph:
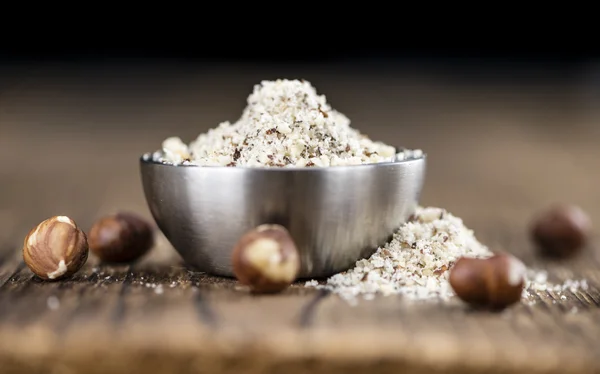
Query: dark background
{"points": [[46, 48]]}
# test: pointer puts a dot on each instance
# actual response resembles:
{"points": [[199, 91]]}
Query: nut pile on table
{"points": [[266, 258], [435, 257]]}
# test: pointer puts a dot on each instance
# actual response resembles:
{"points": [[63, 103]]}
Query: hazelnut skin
{"points": [[493, 283], [55, 249], [120, 238], [561, 231], [266, 259]]}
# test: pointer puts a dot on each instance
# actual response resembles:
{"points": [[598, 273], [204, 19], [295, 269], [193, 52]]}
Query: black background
{"points": [[48, 49]]}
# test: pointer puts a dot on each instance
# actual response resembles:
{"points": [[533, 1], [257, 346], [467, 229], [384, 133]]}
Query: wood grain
{"points": [[498, 152]]}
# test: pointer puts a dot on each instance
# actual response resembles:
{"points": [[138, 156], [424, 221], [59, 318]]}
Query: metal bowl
{"points": [[336, 215]]}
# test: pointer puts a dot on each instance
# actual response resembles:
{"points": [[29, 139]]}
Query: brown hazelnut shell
{"points": [[502, 292], [54, 241], [487, 283], [120, 238], [561, 231], [257, 279], [470, 285]]}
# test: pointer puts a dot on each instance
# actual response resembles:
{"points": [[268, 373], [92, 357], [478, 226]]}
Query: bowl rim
{"points": [[146, 159]]}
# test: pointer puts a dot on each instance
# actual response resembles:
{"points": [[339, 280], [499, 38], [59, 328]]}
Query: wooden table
{"points": [[499, 150]]}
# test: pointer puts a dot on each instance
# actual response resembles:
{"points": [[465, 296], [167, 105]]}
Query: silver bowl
{"points": [[336, 215]]}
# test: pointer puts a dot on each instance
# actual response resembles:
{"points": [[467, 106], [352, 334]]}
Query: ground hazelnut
{"points": [[121, 237], [266, 259], [493, 283], [55, 249], [561, 231]]}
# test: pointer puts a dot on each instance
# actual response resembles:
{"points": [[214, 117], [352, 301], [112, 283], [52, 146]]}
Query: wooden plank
{"points": [[542, 330], [307, 312], [10, 268]]}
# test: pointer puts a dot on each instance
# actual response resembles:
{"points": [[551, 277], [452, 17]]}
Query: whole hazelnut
{"points": [[55, 249], [266, 259], [561, 231], [121, 237], [493, 283]]}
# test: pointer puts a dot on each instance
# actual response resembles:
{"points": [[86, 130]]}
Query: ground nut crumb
{"points": [[285, 124], [175, 150], [417, 260]]}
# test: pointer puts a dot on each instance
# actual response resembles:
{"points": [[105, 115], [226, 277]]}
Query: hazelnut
{"points": [[561, 231], [55, 249], [493, 283], [121, 237], [266, 259]]}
